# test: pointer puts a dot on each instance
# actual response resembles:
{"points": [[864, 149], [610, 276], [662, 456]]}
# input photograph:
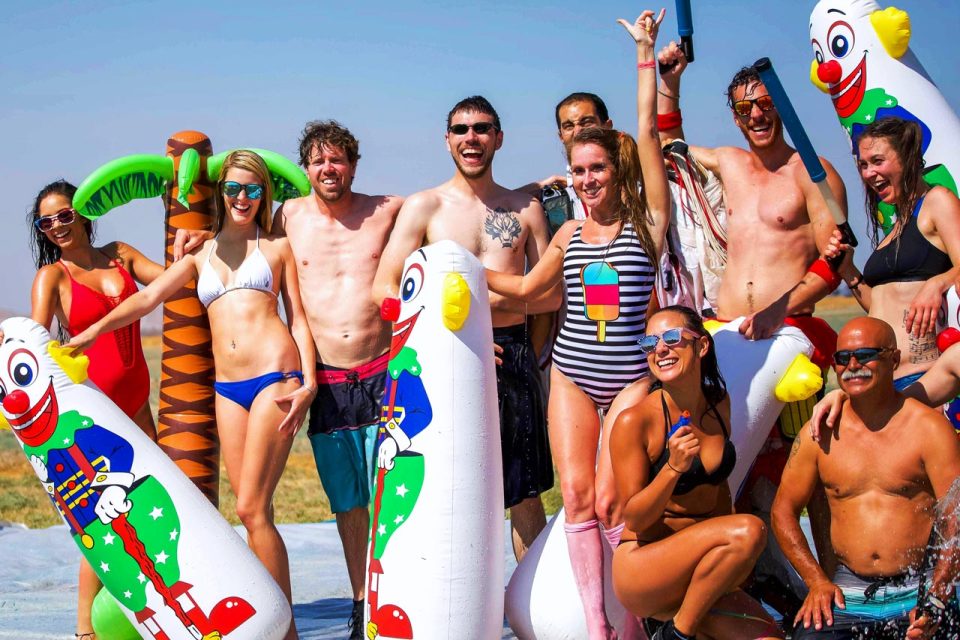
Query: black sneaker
{"points": [[355, 623], [668, 632]]}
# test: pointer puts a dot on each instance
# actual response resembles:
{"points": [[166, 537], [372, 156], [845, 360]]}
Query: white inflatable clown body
{"points": [[435, 565], [178, 570], [542, 602], [863, 61]]}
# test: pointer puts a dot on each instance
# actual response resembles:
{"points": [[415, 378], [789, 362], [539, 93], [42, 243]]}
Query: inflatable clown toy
{"points": [[862, 59]]}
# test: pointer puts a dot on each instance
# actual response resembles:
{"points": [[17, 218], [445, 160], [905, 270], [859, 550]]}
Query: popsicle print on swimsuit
{"points": [[609, 284]]}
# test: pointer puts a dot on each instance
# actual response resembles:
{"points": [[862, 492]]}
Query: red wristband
{"points": [[647, 64], [823, 269], [672, 120]]}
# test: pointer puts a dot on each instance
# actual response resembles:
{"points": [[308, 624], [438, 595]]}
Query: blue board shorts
{"points": [[877, 609], [344, 419], [345, 462]]}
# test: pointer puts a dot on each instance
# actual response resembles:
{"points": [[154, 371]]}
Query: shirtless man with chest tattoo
{"points": [[506, 230]]}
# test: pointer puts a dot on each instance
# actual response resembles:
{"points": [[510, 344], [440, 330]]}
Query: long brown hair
{"points": [[906, 139], [248, 161], [621, 148]]}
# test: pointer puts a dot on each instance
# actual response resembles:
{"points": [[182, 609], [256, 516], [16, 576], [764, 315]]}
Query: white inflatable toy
{"points": [[435, 565], [174, 565], [863, 60], [542, 602], [761, 376]]}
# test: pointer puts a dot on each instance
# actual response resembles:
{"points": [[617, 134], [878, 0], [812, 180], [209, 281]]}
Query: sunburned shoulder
{"points": [[922, 419], [941, 197]]}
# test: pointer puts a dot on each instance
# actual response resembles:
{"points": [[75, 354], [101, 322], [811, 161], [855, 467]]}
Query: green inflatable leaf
{"points": [[120, 181], [289, 180], [186, 175]]}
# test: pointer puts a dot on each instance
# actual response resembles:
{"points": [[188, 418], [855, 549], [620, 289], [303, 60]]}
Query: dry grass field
{"points": [[299, 497]]}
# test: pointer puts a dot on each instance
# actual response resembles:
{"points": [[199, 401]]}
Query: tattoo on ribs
{"points": [[923, 349], [502, 225]]}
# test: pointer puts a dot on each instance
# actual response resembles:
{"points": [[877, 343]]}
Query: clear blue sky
{"points": [[86, 82]]}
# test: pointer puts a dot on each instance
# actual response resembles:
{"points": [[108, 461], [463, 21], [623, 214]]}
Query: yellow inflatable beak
{"points": [[456, 301], [801, 380], [815, 79], [893, 29], [74, 366], [712, 325]]}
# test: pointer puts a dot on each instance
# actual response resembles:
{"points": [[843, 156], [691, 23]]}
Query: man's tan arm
{"points": [[796, 488], [941, 460], [408, 235]]}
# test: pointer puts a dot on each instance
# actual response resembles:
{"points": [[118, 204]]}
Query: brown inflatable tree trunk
{"points": [[187, 429]]}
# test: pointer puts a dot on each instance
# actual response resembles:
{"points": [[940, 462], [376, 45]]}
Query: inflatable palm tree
{"points": [[185, 177]]}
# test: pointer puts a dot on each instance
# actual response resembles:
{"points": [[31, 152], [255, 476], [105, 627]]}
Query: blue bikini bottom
{"points": [[243, 392]]}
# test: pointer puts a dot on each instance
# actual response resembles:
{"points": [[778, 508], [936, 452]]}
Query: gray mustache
{"points": [[859, 373]]}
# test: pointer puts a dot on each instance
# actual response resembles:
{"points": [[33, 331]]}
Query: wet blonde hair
{"points": [[248, 161]]}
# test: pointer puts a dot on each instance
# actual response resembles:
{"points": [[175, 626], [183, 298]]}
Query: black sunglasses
{"points": [[479, 128], [63, 217], [863, 355]]}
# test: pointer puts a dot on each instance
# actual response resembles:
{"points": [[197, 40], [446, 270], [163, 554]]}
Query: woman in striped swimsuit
{"points": [[607, 265]]}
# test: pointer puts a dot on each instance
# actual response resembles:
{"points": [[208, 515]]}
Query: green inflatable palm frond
{"points": [[289, 180], [120, 181]]}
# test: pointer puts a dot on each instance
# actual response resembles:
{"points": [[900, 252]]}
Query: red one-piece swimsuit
{"points": [[117, 364]]}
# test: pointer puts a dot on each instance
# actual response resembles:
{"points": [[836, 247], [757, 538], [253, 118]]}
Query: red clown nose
{"points": [[946, 339], [16, 402], [390, 309], [829, 72]]}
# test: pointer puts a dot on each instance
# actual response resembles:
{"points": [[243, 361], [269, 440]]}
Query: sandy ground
{"points": [[38, 569]]}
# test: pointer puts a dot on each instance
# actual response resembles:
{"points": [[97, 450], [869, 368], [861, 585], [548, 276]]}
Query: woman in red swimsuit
{"points": [[79, 284]]}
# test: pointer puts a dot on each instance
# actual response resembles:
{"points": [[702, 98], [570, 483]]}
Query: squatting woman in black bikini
{"points": [[683, 553]]}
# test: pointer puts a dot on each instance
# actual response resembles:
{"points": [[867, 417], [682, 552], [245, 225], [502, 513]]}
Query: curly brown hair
{"points": [[327, 133]]}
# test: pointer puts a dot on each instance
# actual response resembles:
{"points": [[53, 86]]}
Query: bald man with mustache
{"points": [[884, 465]]}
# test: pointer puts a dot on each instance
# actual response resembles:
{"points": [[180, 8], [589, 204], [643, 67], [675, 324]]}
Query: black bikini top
{"points": [[908, 258], [696, 475]]}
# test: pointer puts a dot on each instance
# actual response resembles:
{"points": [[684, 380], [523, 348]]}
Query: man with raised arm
{"points": [[506, 230], [884, 464], [777, 221]]}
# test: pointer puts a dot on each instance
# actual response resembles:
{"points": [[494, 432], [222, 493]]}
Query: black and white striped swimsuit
{"points": [[597, 346]]}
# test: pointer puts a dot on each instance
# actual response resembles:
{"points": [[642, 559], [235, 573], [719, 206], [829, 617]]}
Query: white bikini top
{"points": [[254, 273]]}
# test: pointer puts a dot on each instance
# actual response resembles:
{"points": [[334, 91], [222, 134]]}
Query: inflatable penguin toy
{"points": [[177, 569], [435, 564], [862, 59]]}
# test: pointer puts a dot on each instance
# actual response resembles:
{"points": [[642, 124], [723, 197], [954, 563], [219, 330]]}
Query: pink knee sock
{"points": [[586, 558], [632, 629], [613, 535]]}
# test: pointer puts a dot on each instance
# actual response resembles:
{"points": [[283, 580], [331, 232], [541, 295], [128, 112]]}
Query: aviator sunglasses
{"points": [[863, 355], [670, 337], [479, 128], [233, 189], [64, 217], [743, 108]]}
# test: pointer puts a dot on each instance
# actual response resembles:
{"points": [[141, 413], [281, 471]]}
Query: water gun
{"points": [[682, 421]]}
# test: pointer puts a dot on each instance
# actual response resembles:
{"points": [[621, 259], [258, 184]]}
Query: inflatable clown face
{"points": [[33, 370], [855, 43]]}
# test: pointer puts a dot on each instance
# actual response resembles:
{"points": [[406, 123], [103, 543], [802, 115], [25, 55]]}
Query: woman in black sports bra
{"points": [[684, 552], [904, 280]]}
